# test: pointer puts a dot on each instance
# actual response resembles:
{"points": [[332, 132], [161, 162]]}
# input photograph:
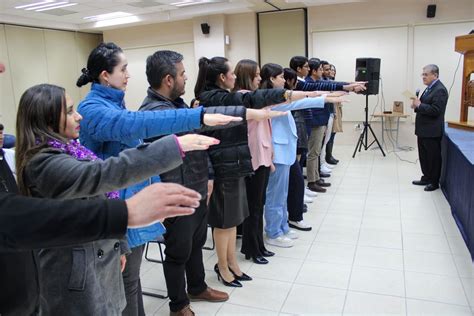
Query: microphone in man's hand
{"points": [[417, 93]]}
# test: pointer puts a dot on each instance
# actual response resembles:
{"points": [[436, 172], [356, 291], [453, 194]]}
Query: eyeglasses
{"points": [[426, 74]]}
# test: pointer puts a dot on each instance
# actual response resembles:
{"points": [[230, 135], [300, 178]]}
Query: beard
{"points": [[176, 92]]}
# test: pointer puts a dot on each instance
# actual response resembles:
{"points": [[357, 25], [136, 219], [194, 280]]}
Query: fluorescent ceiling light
{"points": [[117, 21], [49, 4], [190, 2], [57, 7], [107, 16], [33, 4]]}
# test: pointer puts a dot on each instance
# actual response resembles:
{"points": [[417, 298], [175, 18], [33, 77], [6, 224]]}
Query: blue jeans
{"points": [[276, 212]]}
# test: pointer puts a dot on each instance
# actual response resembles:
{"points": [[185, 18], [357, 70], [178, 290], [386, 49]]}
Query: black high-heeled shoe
{"points": [[233, 283], [257, 259], [267, 253], [243, 277]]}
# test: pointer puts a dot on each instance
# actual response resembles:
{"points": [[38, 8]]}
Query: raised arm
{"points": [[104, 123], [59, 175], [30, 223]]}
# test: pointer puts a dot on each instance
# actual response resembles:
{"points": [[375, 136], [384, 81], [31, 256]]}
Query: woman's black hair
{"points": [[209, 71], [289, 75], [103, 57], [268, 71]]}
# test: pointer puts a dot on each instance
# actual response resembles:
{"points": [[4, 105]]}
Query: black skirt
{"points": [[228, 204]]}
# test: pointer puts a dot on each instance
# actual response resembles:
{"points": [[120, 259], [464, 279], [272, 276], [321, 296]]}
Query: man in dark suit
{"points": [[429, 127]]}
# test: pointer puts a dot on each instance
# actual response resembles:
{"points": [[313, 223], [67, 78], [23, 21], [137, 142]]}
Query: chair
{"points": [[213, 242], [160, 240]]}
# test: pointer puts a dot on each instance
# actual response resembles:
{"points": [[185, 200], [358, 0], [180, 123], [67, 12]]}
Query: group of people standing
{"points": [[241, 137]]}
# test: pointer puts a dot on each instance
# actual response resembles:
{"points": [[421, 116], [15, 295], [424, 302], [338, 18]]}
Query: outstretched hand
{"points": [[192, 142], [219, 119], [263, 114], [336, 100], [159, 201]]}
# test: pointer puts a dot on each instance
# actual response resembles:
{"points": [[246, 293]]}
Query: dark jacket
{"points": [[319, 117], [193, 173], [430, 114], [231, 158], [29, 223]]}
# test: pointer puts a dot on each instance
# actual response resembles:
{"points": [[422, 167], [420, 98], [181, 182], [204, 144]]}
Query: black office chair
{"points": [[213, 242], [160, 240]]}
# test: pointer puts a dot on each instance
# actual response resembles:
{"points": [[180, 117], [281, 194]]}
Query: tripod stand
{"points": [[365, 132]]}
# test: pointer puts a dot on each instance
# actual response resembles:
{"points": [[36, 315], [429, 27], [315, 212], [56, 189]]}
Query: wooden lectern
{"points": [[465, 45]]}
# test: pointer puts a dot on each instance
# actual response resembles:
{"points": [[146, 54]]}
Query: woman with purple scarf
{"points": [[85, 279]]}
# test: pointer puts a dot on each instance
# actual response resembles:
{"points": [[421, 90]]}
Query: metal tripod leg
{"points": [[375, 137]]}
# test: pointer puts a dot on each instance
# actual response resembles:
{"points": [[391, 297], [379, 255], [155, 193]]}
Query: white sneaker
{"points": [[291, 234], [301, 225], [280, 241], [328, 165], [310, 193], [307, 199], [325, 169]]}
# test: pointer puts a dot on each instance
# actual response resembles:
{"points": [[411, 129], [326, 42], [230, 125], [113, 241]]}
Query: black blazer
{"points": [[30, 223], [430, 114]]}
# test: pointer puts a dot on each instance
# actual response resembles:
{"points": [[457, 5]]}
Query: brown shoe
{"points": [[316, 188], [210, 295], [322, 183], [185, 311]]}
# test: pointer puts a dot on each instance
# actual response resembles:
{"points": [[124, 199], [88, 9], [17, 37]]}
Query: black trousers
{"points": [[184, 238], [252, 227], [295, 198], [132, 284], [429, 152]]}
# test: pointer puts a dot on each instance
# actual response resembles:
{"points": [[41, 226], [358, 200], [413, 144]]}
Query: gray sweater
{"points": [[86, 279]]}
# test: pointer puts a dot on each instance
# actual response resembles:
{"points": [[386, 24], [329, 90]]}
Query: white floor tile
{"points": [[373, 304], [278, 268], [324, 274], [261, 293], [428, 243], [377, 281], [332, 253], [418, 307], [430, 262], [384, 258], [380, 238], [436, 288], [310, 300], [232, 309]]}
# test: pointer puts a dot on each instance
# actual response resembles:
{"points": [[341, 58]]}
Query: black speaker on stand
{"points": [[368, 69]]}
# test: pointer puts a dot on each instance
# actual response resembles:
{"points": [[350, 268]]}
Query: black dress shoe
{"points": [[321, 183], [243, 277], [257, 259], [420, 182], [324, 175], [431, 187], [233, 283], [331, 160], [267, 253]]}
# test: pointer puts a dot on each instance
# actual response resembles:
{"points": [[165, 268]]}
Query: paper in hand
{"points": [[409, 94]]}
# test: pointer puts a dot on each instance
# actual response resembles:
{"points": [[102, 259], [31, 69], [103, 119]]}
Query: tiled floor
{"points": [[379, 245]]}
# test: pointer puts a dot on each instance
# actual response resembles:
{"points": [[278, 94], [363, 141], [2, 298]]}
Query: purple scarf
{"points": [[76, 150]]}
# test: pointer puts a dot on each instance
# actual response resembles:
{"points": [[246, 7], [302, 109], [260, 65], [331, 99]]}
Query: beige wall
{"points": [[152, 35], [33, 56], [242, 31]]}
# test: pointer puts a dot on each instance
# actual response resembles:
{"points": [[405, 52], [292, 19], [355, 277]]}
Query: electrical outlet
{"points": [[357, 127]]}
